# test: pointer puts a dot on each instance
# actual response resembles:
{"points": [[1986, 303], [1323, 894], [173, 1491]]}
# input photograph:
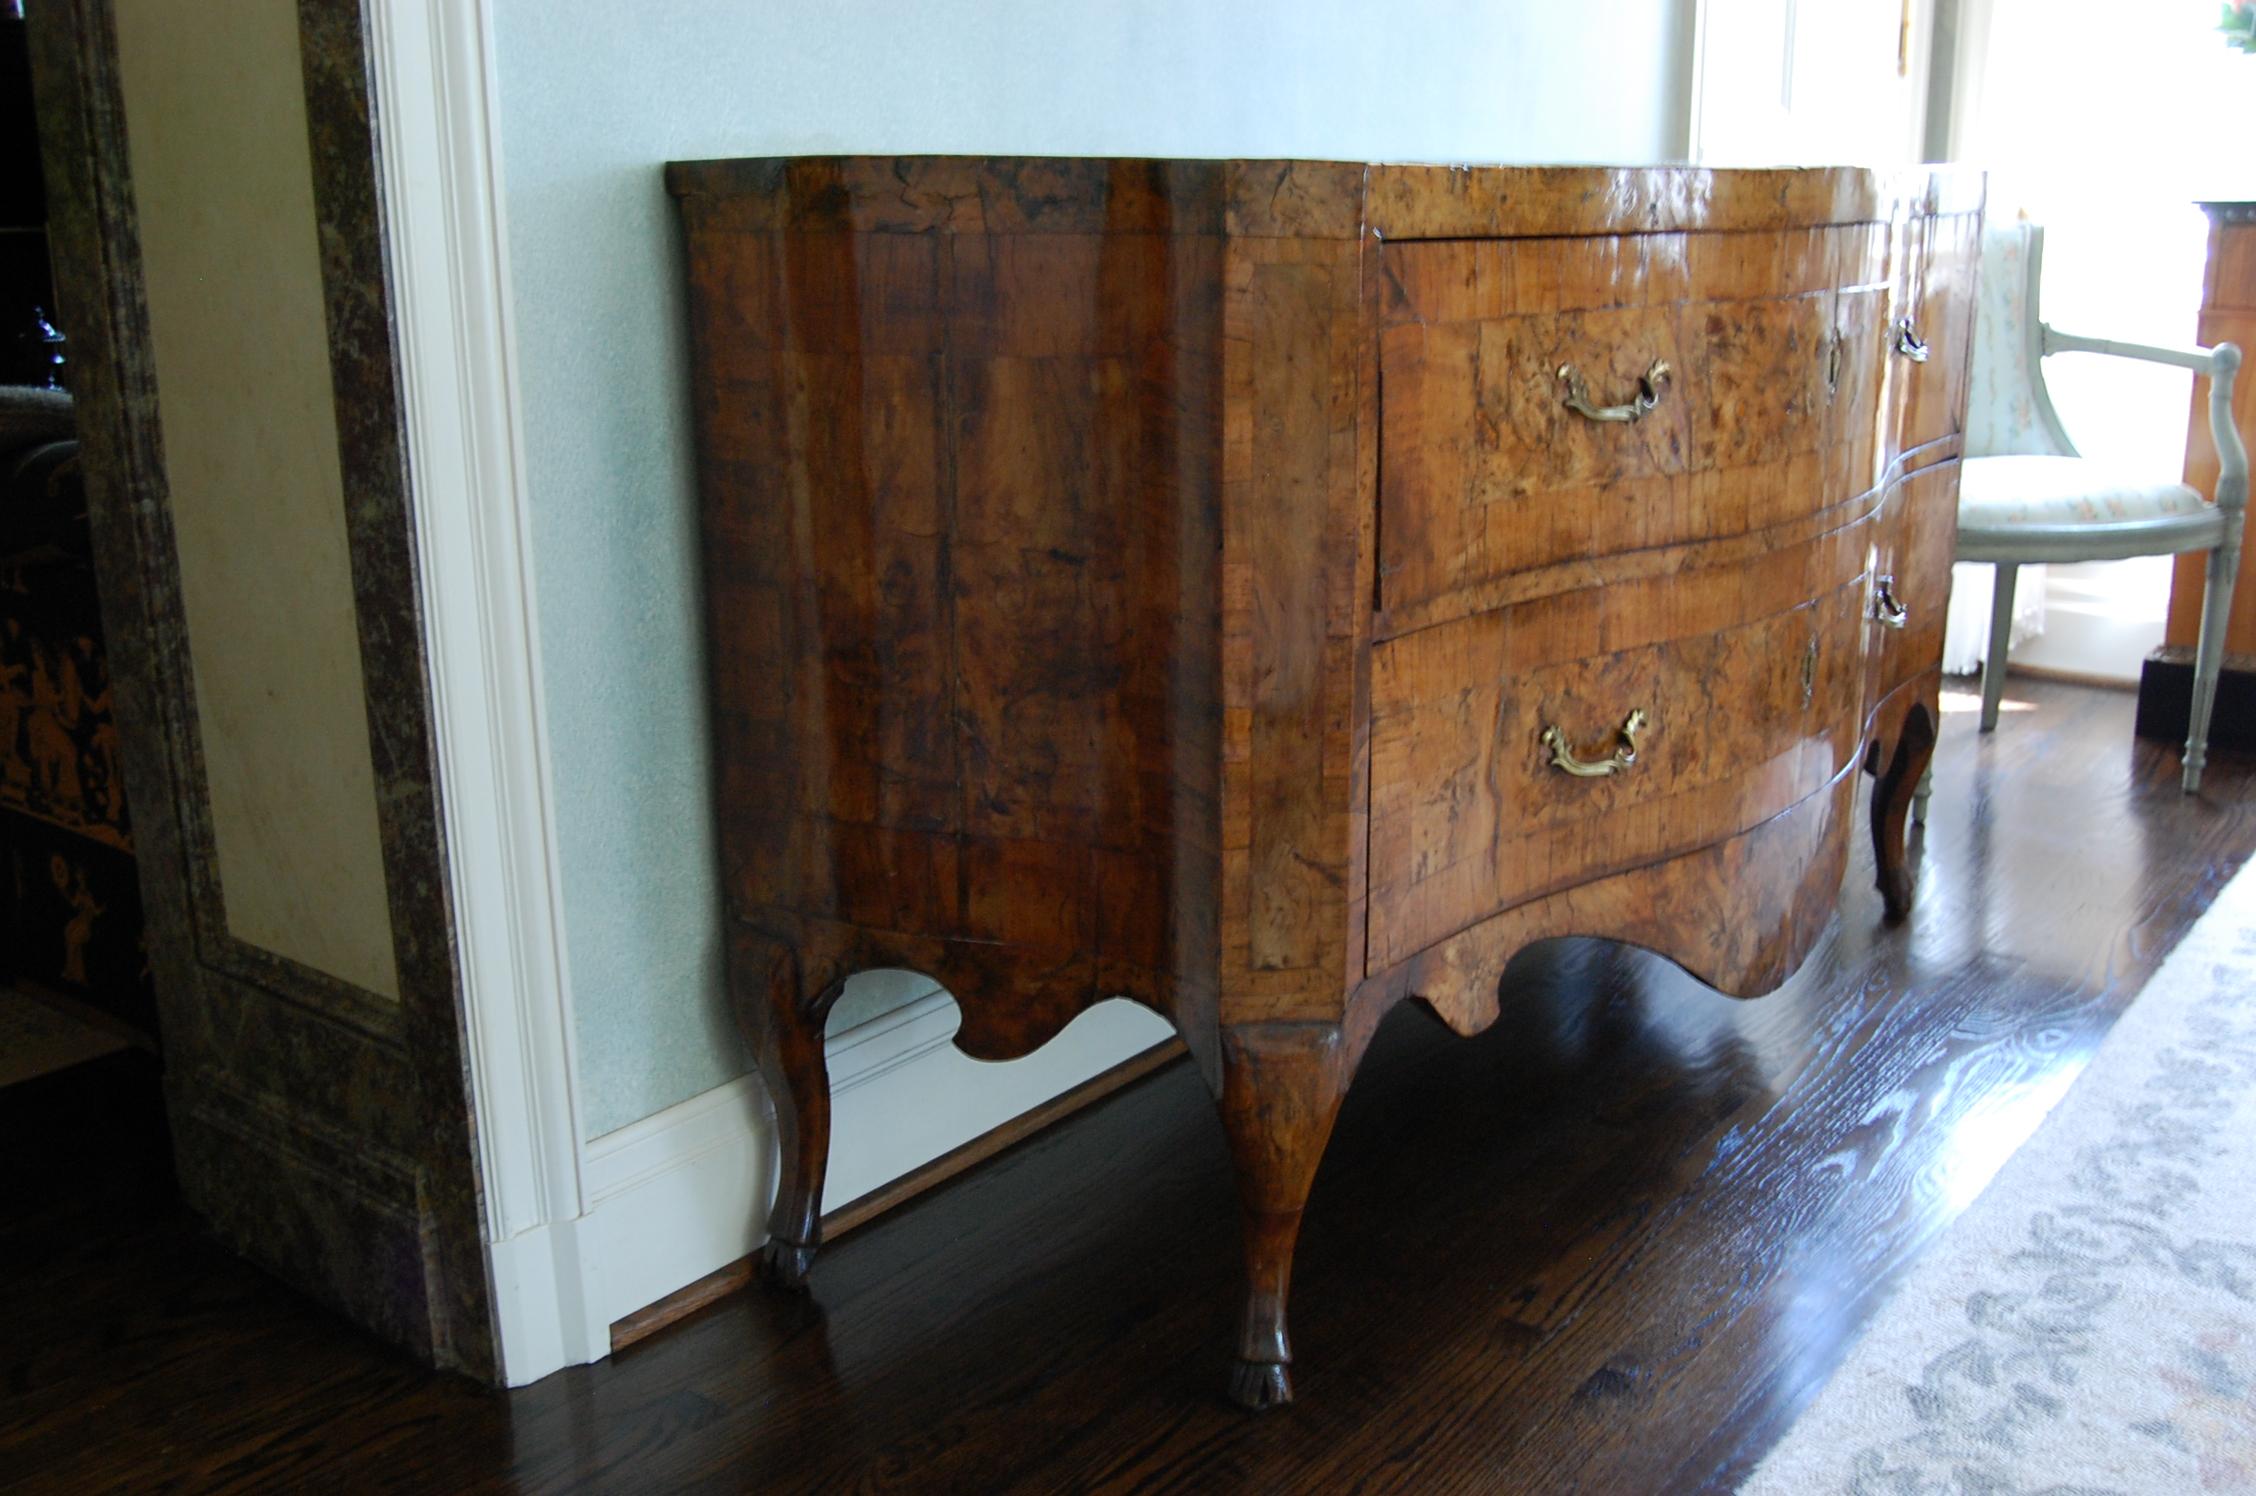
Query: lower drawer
{"points": [[1748, 683], [1913, 540]]}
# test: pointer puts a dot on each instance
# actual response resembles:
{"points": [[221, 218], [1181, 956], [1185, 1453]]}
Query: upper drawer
{"points": [[1487, 467], [1931, 340]]}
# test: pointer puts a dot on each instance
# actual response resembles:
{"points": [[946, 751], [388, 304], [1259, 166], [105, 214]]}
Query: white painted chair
{"points": [[2025, 496]]}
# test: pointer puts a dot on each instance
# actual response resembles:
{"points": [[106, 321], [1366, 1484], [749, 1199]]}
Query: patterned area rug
{"points": [[35, 1039], [2089, 1324]]}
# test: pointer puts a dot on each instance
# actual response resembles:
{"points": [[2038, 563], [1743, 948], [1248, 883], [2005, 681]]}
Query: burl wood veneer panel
{"points": [[1862, 440], [1295, 616], [1753, 699], [1686, 908], [1486, 470], [991, 722]]}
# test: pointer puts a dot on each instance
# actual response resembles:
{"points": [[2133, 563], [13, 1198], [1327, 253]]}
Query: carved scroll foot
{"points": [[783, 1023], [1281, 1090], [1255, 1385], [1892, 795], [783, 1264], [1895, 893]]}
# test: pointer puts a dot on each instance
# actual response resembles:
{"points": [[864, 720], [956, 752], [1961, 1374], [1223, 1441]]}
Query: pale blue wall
{"points": [[595, 96]]}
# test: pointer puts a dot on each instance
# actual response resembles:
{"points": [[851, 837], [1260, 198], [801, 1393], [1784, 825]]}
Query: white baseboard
{"points": [[680, 1194]]}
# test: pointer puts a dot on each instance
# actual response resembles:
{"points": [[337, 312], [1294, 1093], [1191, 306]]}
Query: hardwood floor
{"points": [[1614, 1244]]}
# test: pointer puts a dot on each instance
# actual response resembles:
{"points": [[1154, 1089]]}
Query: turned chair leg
{"points": [[2209, 653], [2001, 637], [783, 1024], [1281, 1089], [1892, 794]]}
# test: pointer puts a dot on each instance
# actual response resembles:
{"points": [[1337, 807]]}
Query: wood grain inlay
{"points": [[1486, 471]]}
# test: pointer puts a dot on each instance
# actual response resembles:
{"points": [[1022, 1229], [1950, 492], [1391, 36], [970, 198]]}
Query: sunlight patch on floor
{"points": [[1971, 701], [1986, 1136]]}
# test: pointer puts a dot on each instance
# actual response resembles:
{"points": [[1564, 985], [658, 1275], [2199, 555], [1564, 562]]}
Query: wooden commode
{"points": [[1270, 590]]}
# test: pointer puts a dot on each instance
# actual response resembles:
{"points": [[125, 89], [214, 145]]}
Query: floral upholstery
{"points": [[2001, 407], [1997, 493]]}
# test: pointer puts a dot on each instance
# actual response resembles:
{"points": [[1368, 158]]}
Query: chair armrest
{"points": [[2199, 360], [2220, 363]]}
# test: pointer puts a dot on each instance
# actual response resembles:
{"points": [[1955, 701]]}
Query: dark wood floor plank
{"points": [[1615, 1243]]}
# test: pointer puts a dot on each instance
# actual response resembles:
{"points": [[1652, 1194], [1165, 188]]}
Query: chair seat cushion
{"points": [[1996, 493]]}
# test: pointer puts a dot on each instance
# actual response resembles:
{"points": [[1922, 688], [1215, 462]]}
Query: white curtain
{"points": [[1966, 634]]}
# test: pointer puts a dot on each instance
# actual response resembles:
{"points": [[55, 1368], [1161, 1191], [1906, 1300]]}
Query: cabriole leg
{"points": [[783, 1023], [1892, 795], [1281, 1090]]}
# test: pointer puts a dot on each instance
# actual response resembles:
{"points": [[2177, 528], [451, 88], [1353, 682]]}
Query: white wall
{"points": [[595, 96]]}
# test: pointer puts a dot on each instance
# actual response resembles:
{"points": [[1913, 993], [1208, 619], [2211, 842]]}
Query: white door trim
{"points": [[431, 64], [1695, 80]]}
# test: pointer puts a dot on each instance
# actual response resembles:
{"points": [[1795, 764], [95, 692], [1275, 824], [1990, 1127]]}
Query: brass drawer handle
{"points": [[1648, 395], [1563, 757], [1908, 342], [1892, 614]]}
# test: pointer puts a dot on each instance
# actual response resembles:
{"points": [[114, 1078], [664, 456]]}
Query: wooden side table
{"points": [[2228, 314]]}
